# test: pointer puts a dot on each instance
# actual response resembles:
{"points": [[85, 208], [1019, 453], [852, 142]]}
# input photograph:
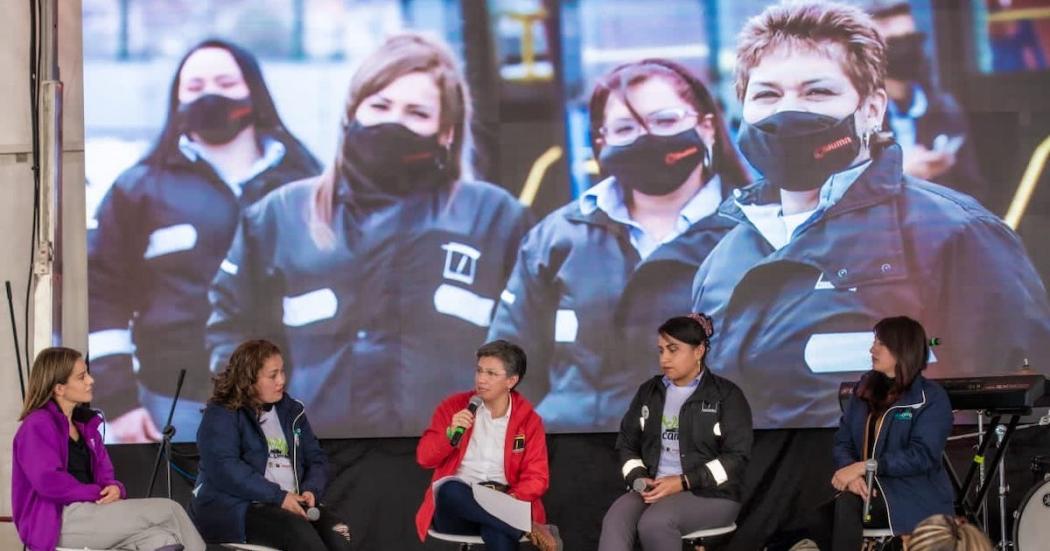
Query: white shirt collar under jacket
{"points": [[771, 223], [273, 154], [607, 195], [483, 461]]}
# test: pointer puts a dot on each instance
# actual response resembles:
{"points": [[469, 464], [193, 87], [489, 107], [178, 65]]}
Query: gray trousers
{"points": [[660, 526], [128, 524]]}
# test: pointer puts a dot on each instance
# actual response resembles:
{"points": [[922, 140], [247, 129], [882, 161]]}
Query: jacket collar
{"points": [[85, 418], [880, 182], [915, 396]]}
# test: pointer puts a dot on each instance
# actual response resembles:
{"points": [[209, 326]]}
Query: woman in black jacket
{"points": [[262, 471], [684, 444], [162, 231]]}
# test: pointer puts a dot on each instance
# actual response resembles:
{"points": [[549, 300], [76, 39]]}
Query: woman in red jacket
{"points": [[502, 445]]}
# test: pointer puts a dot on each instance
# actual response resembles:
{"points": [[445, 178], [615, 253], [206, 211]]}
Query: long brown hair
{"points": [[906, 340], [235, 385], [52, 366], [724, 158], [398, 56]]}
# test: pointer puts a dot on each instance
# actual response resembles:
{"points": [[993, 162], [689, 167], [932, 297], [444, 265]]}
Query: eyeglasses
{"points": [[667, 122]]}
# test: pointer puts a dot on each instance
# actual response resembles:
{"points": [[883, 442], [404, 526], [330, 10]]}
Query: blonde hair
{"points": [[813, 25], [398, 56], [52, 366], [946, 533]]}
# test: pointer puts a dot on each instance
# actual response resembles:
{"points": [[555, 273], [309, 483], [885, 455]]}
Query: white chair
{"points": [[874, 537], [79, 549], [701, 537], [465, 542], [248, 547]]}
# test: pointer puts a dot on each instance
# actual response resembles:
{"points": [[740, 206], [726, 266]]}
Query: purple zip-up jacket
{"points": [[40, 482]]}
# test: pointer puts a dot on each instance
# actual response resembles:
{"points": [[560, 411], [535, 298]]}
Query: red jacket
{"points": [[525, 467]]}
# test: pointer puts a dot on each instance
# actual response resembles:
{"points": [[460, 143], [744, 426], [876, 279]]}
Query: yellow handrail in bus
{"points": [[1027, 186], [1018, 15], [536, 173]]}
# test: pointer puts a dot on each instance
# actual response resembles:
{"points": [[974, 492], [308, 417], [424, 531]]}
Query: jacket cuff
{"points": [[632, 470]]}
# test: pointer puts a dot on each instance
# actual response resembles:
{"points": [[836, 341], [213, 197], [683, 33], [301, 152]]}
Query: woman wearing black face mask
{"points": [[901, 420], [595, 276], [835, 237], [383, 272], [163, 229]]}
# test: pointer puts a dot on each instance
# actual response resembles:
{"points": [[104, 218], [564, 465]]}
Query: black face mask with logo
{"points": [[654, 165], [394, 159], [799, 151], [216, 119], [906, 58]]}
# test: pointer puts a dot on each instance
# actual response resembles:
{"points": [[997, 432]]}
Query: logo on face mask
{"points": [[674, 157], [797, 150], [654, 165], [823, 150]]}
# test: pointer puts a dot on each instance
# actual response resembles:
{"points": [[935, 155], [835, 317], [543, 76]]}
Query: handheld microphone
{"points": [[639, 485], [313, 513], [870, 466], [472, 407]]}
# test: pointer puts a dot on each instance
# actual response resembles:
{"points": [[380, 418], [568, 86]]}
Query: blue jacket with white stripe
{"points": [[376, 322], [792, 323], [586, 306], [908, 449], [162, 230]]}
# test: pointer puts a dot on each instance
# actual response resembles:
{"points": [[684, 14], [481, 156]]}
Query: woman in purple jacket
{"points": [[63, 491]]}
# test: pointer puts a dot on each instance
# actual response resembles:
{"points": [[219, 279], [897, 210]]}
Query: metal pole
{"points": [[1004, 542], [980, 438], [47, 290]]}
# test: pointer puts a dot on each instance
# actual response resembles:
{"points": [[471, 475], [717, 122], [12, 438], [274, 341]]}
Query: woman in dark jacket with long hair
{"points": [[262, 471], [164, 226], [902, 420], [384, 270]]}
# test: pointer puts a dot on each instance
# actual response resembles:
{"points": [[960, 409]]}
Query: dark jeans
{"points": [[840, 522], [456, 512], [267, 524]]}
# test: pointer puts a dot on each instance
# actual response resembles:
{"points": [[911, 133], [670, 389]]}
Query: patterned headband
{"points": [[705, 322]]}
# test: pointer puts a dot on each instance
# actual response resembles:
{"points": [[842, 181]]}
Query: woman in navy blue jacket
{"points": [[262, 470], [902, 420]]}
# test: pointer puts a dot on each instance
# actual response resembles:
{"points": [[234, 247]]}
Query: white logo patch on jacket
{"points": [[461, 262], [172, 239]]}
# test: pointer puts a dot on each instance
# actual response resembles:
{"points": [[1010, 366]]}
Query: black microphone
{"points": [[457, 433], [639, 485], [870, 466]]}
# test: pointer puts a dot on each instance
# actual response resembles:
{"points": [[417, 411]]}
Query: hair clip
{"points": [[704, 321]]}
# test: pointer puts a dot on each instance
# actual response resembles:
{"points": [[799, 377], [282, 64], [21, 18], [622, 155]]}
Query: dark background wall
{"points": [[377, 486]]}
